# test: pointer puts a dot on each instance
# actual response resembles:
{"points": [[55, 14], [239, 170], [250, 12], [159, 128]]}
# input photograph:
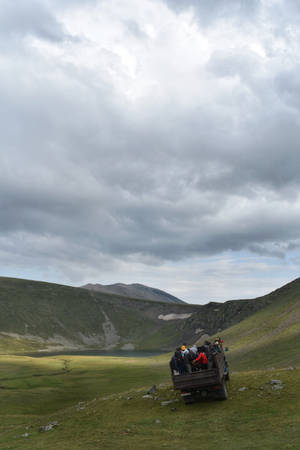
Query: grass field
{"points": [[98, 403]]}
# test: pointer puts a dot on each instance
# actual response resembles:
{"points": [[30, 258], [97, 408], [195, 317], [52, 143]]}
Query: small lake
{"points": [[119, 353]]}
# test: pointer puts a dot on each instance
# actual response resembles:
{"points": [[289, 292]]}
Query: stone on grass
{"points": [[157, 421], [243, 389], [147, 396], [49, 426], [168, 402], [25, 435], [275, 382], [276, 387]]}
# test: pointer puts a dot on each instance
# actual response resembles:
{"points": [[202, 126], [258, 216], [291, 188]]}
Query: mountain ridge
{"points": [[47, 316], [134, 290]]}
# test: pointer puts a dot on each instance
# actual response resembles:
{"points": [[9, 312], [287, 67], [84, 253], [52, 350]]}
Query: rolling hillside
{"points": [[270, 337], [37, 315]]}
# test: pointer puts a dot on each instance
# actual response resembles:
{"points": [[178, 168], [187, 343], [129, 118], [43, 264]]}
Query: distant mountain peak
{"points": [[134, 290]]}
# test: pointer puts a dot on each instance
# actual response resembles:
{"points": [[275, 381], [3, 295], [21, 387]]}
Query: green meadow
{"points": [[98, 403]]}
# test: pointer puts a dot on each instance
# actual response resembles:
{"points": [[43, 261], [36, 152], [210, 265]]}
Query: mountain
{"points": [[37, 315], [135, 291]]}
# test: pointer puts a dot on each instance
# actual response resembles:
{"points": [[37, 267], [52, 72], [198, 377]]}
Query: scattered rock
{"points": [[168, 402], [173, 409], [157, 421], [275, 382], [25, 435], [276, 387], [242, 389], [80, 406], [49, 427], [262, 388], [129, 398], [147, 396], [152, 390]]}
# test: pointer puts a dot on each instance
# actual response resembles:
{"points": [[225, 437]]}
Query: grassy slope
{"points": [[100, 415], [271, 337]]}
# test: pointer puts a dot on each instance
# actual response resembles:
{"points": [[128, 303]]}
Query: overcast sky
{"points": [[151, 141]]}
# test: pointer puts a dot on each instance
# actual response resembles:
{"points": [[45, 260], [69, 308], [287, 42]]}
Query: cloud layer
{"points": [[143, 132]]}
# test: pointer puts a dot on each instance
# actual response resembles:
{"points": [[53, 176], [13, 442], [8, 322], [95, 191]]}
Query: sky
{"points": [[153, 142]]}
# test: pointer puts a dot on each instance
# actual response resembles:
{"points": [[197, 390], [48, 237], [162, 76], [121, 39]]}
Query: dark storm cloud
{"points": [[195, 166]]}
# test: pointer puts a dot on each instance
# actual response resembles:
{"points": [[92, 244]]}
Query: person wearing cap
{"points": [[193, 351], [186, 358], [216, 346], [184, 350], [177, 362]]}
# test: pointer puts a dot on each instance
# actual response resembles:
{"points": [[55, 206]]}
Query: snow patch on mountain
{"points": [[174, 316]]}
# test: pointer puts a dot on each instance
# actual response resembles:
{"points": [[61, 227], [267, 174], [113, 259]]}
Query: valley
{"points": [[81, 402]]}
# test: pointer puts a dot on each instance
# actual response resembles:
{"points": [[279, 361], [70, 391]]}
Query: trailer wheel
{"points": [[223, 393]]}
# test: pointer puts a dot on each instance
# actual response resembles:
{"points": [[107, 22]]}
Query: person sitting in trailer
{"points": [[201, 361], [217, 346], [208, 350]]}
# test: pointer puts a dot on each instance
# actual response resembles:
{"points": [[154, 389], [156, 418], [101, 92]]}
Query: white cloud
{"points": [[138, 135]]}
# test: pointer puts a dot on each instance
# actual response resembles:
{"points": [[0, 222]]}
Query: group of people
{"points": [[188, 360]]}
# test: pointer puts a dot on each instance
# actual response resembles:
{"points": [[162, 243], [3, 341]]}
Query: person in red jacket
{"points": [[201, 360]]}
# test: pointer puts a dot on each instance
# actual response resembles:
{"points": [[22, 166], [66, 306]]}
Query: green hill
{"points": [[270, 337], [37, 315]]}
